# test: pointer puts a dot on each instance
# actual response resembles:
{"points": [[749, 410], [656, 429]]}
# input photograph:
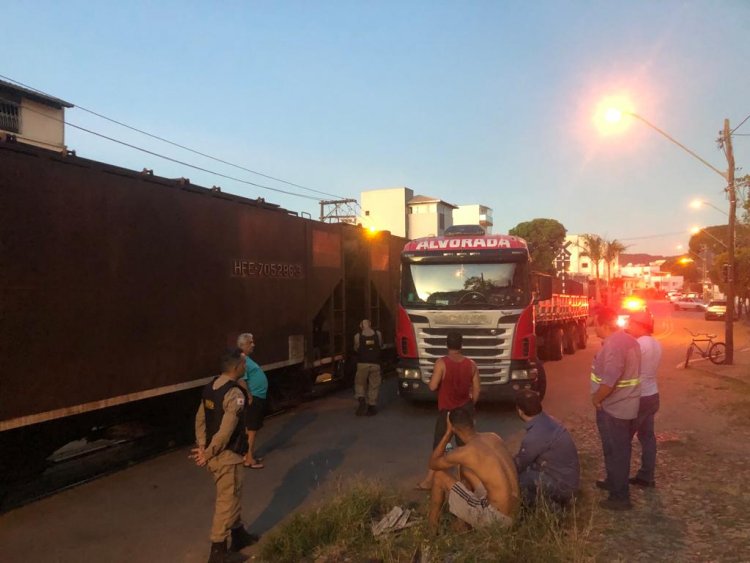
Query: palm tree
{"points": [[594, 250], [612, 250]]}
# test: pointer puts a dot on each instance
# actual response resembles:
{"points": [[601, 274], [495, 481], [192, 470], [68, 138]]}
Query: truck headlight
{"points": [[412, 373], [523, 374]]}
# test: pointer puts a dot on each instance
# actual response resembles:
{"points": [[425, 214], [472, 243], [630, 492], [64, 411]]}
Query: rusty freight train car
{"points": [[120, 289]]}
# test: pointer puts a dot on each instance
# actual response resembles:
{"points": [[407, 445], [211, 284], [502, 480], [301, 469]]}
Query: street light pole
{"points": [[729, 330], [679, 144], [728, 176]]}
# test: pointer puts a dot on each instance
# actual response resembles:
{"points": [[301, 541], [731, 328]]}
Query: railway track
{"points": [[82, 462]]}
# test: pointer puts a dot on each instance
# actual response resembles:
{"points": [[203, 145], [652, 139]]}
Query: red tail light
{"points": [[524, 340], [405, 339]]}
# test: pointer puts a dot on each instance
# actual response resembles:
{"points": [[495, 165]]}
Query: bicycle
{"points": [[714, 351]]}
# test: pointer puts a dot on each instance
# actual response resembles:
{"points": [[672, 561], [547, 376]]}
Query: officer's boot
{"points": [[218, 552], [362, 408], [241, 538]]}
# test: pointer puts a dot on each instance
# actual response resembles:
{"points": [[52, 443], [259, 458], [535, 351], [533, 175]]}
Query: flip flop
{"points": [[255, 465], [419, 487]]}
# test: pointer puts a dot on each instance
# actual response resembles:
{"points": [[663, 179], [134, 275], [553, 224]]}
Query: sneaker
{"points": [[372, 410], [615, 504], [637, 481], [603, 485], [362, 408]]}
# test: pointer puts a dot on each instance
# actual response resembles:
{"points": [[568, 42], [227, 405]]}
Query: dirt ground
{"points": [[700, 508]]}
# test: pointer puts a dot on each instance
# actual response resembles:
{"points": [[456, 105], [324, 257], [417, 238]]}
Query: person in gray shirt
{"points": [[616, 395], [547, 462]]}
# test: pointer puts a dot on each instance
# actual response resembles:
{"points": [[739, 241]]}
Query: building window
{"points": [[411, 210], [584, 265], [367, 213], [10, 118], [441, 221]]}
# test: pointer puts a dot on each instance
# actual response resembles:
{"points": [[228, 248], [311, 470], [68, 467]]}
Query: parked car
{"points": [[717, 309], [689, 304], [674, 296]]}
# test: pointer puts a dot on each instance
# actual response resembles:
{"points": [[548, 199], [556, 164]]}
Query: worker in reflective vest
{"points": [[616, 395]]}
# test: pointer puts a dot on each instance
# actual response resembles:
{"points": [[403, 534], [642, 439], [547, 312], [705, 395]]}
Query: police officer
{"points": [[220, 435], [367, 344]]}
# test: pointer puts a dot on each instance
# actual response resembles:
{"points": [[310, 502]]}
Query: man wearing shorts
{"points": [[256, 384], [490, 492]]}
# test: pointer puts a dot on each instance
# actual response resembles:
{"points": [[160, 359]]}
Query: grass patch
{"points": [[338, 530]]}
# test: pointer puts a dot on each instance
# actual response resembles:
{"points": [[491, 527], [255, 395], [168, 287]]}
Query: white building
{"points": [[474, 215], [33, 118], [429, 217], [640, 276], [386, 210], [583, 265], [402, 213]]}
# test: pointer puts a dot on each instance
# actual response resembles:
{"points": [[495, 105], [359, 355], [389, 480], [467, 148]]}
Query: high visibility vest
{"points": [[620, 382]]}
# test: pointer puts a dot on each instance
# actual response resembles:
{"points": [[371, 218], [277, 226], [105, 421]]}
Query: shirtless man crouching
{"points": [[491, 492]]}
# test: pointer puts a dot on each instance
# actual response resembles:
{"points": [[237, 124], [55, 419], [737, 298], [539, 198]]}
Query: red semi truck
{"points": [[482, 286]]}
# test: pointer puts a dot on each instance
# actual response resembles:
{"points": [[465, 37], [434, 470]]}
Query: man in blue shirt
{"points": [[547, 461], [256, 383]]}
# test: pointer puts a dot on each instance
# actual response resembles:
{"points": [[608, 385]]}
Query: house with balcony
{"points": [[32, 117]]}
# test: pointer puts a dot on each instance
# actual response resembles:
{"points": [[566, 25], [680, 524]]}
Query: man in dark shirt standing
{"points": [[547, 461]]}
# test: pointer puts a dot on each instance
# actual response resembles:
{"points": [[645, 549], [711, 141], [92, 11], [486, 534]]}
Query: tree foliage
{"points": [[545, 238], [741, 271]]}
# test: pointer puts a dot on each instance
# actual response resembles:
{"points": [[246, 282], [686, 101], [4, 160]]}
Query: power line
{"points": [[169, 158], [655, 236], [175, 144], [740, 125]]}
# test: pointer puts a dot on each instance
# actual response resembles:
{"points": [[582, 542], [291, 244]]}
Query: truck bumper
{"points": [[414, 389]]}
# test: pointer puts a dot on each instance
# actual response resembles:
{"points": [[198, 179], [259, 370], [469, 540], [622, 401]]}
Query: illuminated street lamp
{"points": [[615, 115], [698, 203]]}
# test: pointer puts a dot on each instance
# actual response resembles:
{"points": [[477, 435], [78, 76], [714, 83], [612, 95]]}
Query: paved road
{"points": [[161, 509]]}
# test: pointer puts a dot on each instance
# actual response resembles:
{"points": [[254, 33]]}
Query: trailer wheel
{"points": [[554, 347], [569, 339], [582, 335]]}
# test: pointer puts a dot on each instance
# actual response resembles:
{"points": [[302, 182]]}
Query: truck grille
{"points": [[489, 347]]}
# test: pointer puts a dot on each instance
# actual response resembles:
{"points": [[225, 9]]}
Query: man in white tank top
{"points": [[640, 325]]}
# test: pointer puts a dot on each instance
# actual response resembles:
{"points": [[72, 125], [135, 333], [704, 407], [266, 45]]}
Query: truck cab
{"points": [[480, 285]]}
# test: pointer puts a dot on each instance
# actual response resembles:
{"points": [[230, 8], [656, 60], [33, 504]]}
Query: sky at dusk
{"points": [[471, 102]]}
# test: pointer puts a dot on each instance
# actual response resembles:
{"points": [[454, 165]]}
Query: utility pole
{"points": [[704, 256], [729, 331]]}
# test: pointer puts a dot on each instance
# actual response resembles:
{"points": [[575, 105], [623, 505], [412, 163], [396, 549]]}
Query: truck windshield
{"points": [[465, 286]]}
